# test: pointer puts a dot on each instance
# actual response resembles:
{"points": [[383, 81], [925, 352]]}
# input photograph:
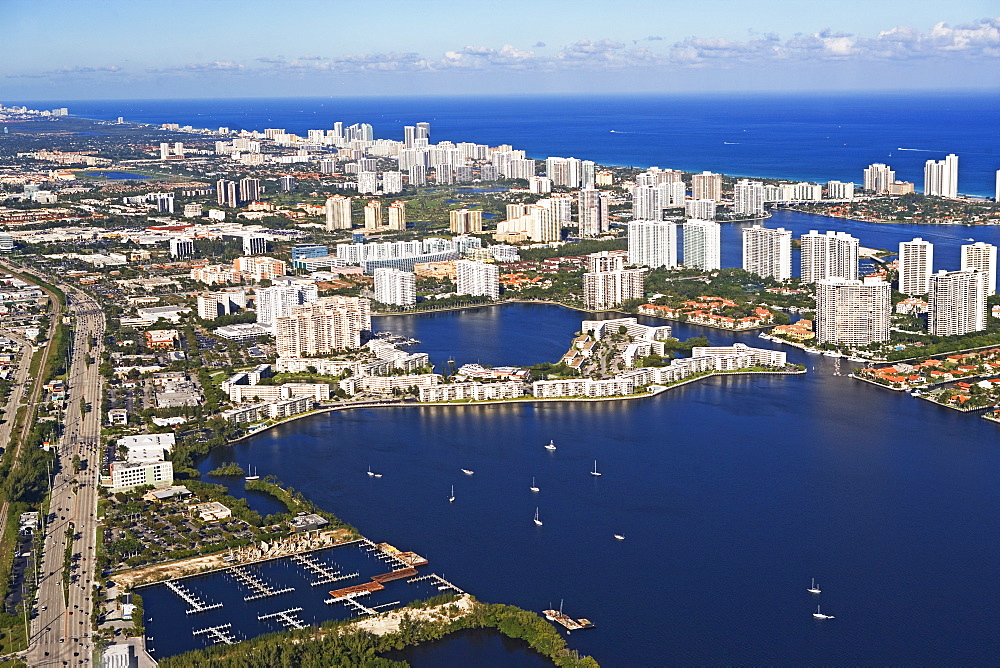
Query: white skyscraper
{"points": [[395, 287], [367, 183], [839, 190], [878, 177], [851, 312], [593, 211], [647, 202], [180, 247], [982, 256], [830, 255], [702, 209], [748, 198], [956, 302], [706, 186], [941, 177], [603, 290], [392, 182], [916, 263], [323, 326], [279, 301], [477, 278], [254, 244], [702, 245], [652, 243], [768, 252], [338, 213]]}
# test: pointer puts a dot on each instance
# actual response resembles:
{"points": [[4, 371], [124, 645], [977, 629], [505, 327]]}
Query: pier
{"points": [[286, 617], [324, 572], [197, 605], [218, 634], [254, 583], [442, 584]]}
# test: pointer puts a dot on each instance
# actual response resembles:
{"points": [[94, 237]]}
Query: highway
{"points": [[61, 630]]}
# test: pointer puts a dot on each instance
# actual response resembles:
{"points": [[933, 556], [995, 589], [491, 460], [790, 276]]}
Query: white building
{"points": [[941, 177], [834, 254], [323, 326], [392, 182], [768, 252], [652, 243], [126, 475], [957, 302], [703, 209], [367, 183], [702, 245], [145, 448], [254, 244], [593, 212], [878, 178], [180, 247], [840, 190], [338, 213], [477, 278], [851, 312], [916, 263], [706, 186], [279, 301], [982, 256], [472, 391], [604, 290], [395, 287], [748, 198]]}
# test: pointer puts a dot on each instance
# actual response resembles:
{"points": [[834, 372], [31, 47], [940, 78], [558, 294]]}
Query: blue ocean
{"points": [[802, 137]]}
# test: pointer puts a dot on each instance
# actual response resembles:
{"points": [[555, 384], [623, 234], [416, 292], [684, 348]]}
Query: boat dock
{"points": [[287, 617], [197, 605], [254, 583], [218, 634], [567, 621], [442, 584], [397, 574], [325, 573]]}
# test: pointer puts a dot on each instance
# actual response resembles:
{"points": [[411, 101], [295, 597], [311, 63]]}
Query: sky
{"points": [[119, 49]]}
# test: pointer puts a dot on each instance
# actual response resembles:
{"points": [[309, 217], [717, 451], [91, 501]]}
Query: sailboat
{"points": [[551, 446], [253, 476], [814, 589], [370, 474], [619, 536], [534, 487], [820, 615], [467, 472], [451, 499], [538, 522], [594, 472]]}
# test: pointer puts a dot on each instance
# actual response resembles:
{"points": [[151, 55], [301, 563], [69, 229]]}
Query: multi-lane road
{"points": [[61, 630]]}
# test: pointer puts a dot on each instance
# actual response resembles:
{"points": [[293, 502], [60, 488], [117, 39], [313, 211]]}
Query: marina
{"points": [[261, 588], [197, 605]]}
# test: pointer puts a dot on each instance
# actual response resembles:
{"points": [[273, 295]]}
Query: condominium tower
{"points": [[652, 243], [395, 287], [916, 263], [323, 326], [851, 312], [982, 256], [338, 213], [768, 252], [956, 302], [606, 289], [477, 278], [702, 245], [706, 186], [878, 178], [748, 198], [941, 177], [830, 255], [593, 212]]}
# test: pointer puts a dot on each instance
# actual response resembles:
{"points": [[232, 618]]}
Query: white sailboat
{"points": [[538, 522], [814, 589], [370, 474], [534, 487], [467, 472], [594, 472], [820, 615], [619, 536], [253, 475], [551, 446], [451, 499]]}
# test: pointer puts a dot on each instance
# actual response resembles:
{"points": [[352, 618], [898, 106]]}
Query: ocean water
{"points": [[803, 137]]}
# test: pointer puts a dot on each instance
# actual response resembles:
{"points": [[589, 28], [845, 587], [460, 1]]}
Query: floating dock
{"points": [[441, 583], [325, 574], [287, 617], [197, 605], [567, 621], [218, 634]]}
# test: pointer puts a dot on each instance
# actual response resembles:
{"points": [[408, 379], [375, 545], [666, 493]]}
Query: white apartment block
{"points": [[338, 213], [583, 387], [840, 190], [851, 312], [367, 183], [878, 178], [916, 264], [395, 287], [472, 391], [834, 254], [386, 384], [741, 356], [768, 252], [477, 278], [652, 243], [465, 221], [280, 301], [941, 177], [126, 475], [241, 393], [702, 245], [982, 256], [606, 261], [260, 268], [323, 326], [703, 209], [593, 212], [269, 410], [748, 198], [603, 290], [215, 304], [706, 186], [957, 302]]}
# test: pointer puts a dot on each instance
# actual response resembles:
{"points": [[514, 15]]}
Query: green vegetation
{"points": [[573, 249], [294, 501], [228, 470]]}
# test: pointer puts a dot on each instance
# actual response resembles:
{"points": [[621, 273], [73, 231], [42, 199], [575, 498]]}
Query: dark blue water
{"points": [[732, 493], [799, 136], [117, 176]]}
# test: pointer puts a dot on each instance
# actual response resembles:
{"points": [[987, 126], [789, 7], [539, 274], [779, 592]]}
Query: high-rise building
{"points": [[249, 190], [465, 221], [606, 261], [323, 326], [395, 286], [702, 209], [254, 244], [522, 168], [164, 150], [982, 256], [564, 171], [423, 131], [647, 202], [652, 243], [941, 177], [214, 304], [956, 302], [477, 278], [996, 195], [367, 183], [702, 245], [852, 312], [707, 186], [180, 247], [877, 178], [338, 213], [373, 215], [839, 190], [392, 182], [226, 193], [916, 263], [587, 168], [768, 252], [279, 301], [540, 185], [397, 216], [748, 198], [287, 183], [593, 212], [409, 134], [604, 290], [418, 175], [830, 255]]}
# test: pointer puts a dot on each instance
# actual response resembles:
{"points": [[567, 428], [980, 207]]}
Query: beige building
{"points": [[323, 326]]}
